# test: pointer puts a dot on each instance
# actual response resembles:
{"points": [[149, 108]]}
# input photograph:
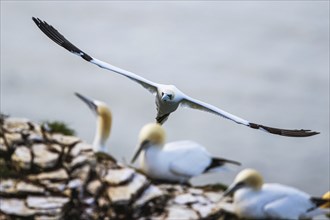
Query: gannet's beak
{"points": [[142, 146], [89, 102], [232, 188], [164, 97]]}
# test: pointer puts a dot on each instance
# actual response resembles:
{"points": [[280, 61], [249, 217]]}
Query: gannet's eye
{"points": [[170, 96], [162, 94]]}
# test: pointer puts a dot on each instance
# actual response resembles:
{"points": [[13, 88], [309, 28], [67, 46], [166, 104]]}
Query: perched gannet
{"points": [[168, 97], [175, 161], [103, 122], [255, 200]]}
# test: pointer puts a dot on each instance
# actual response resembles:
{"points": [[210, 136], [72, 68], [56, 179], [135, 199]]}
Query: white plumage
{"points": [[175, 161], [256, 200], [168, 98]]}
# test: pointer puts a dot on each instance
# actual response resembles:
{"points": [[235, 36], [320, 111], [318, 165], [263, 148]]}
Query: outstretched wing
{"points": [[196, 104], [58, 38]]}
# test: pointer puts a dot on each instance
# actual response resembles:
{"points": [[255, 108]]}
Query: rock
{"points": [[22, 157], [82, 173], [17, 125], [150, 193], [78, 160], [185, 199], [8, 186], [125, 192], [78, 148], [65, 139], [3, 146], [12, 206], [52, 176], [118, 176], [12, 139], [181, 212], [94, 186], [43, 157], [203, 209], [22, 186], [40, 202], [56, 175]]}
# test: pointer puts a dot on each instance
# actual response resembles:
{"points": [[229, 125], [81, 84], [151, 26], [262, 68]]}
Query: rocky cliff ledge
{"points": [[47, 175]]}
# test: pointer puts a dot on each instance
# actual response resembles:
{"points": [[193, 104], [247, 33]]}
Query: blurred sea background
{"points": [[265, 61]]}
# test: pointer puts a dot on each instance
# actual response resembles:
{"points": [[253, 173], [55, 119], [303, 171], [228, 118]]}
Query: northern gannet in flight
{"points": [[254, 199], [168, 97], [175, 161], [103, 122]]}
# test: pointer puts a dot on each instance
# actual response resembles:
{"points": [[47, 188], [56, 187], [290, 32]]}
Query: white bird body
{"points": [[255, 200], [272, 201], [175, 161], [168, 97]]}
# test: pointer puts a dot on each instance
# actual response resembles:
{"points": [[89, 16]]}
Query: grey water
{"points": [[264, 61]]}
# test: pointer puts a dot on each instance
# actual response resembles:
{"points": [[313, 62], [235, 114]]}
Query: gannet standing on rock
{"points": [[255, 200], [175, 161], [103, 122], [168, 97]]}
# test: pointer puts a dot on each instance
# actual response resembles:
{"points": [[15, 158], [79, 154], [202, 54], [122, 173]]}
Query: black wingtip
{"points": [[285, 132], [37, 21], [58, 38]]}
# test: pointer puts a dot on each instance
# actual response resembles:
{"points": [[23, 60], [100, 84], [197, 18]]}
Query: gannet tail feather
{"points": [[58, 38], [218, 162], [196, 104], [320, 201]]}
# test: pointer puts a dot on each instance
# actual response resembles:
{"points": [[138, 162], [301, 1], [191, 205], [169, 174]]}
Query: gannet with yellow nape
{"points": [[175, 161], [103, 122], [254, 199], [168, 97]]}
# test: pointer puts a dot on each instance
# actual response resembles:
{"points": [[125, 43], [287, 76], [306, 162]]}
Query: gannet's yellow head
{"points": [[150, 134], [250, 178], [246, 178], [153, 133]]}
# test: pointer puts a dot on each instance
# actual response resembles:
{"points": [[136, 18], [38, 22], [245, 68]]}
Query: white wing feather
{"points": [[150, 86], [290, 202], [191, 159], [58, 38], [196, 104]]}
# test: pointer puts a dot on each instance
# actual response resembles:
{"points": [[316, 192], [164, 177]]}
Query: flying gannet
{"points": [[168, 97], [254, 199], [103, 122], [175, 161]]}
